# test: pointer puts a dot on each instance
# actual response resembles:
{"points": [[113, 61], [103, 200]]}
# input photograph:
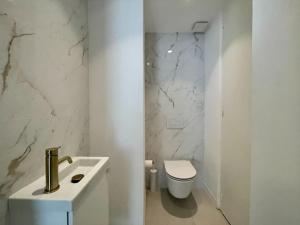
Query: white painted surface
{"points": [[77, 203], [169, 16], [213, 108], [117, 102], [92, 206], [275, 194], [25, 217], [236, 77]]}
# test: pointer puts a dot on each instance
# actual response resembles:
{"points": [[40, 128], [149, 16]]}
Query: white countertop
{"points": [[32, 196]]}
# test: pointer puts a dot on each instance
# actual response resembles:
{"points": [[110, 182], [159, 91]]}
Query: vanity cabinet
{"points": [[84, 203]]}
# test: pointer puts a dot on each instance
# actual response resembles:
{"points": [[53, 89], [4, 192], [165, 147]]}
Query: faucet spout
{"points": [[65, 158]]}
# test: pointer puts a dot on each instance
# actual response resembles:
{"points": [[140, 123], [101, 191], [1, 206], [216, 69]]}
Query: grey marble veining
{"points": [[174, 92], [43, 87]]}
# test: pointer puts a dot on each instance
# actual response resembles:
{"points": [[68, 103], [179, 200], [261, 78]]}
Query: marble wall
{"points": [[174, 99], [43, 87]]}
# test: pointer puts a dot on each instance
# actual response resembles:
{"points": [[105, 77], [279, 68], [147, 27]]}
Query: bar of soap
{"points": [[77, 178]]}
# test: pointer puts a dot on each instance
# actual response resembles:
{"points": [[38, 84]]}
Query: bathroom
{"points": [[211, 83]]}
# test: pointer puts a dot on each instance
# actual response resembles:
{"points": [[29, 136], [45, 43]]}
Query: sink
{"points": [[72, 203]]}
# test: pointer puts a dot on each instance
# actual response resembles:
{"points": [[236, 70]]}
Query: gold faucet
{"points": [[51, 163]]}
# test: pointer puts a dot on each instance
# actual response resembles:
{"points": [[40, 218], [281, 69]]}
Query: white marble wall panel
{"points": [[43, 87], [174, 99]]}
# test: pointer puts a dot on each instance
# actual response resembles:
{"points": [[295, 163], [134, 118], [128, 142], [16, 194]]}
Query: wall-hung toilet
{"points": [[180, 177]]}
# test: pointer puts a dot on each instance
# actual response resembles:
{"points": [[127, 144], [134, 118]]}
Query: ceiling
{"points": [[168, 16]]}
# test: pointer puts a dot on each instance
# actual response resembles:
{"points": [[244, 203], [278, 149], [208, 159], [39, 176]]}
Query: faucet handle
{"points": [[52, 151]]}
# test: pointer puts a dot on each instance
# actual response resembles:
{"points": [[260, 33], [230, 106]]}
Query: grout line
{"points": [[224, 216]]}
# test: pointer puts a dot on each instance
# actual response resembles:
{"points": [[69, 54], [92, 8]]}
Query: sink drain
{"points": [[77, 178]]}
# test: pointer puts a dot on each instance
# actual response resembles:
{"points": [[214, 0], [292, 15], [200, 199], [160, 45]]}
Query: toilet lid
{"points": [[180, 169]]}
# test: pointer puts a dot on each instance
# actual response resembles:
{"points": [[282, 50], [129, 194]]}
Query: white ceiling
{"points": [[168, 16]]}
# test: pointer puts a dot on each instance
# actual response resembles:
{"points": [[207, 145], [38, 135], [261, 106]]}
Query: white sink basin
{"points": [[32, 197]]}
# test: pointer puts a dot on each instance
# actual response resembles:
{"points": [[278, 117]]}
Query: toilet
{"points": [[180, 177]]}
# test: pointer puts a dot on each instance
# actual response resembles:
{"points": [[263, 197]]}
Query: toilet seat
{"points": [[178, 179], [180, 170]]}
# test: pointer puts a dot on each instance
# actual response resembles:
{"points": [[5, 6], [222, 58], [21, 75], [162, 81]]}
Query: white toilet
{"points": [[180, 177]]}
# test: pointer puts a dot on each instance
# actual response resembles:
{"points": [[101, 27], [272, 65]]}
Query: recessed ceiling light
{"points": [[170, 51]]}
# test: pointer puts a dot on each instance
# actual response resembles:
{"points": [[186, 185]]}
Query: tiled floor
{"points": [[198, 209]]}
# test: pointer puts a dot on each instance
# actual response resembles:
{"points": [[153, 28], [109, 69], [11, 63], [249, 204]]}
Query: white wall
{"points": [[236, 77], [163, 16], [117, 102], [275, 194], [213, 107]]}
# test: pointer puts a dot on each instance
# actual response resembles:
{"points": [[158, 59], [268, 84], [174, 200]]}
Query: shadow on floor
{"points": [[181, 208]]}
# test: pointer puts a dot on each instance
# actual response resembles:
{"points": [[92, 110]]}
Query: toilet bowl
{"points": [[180, 177]]}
